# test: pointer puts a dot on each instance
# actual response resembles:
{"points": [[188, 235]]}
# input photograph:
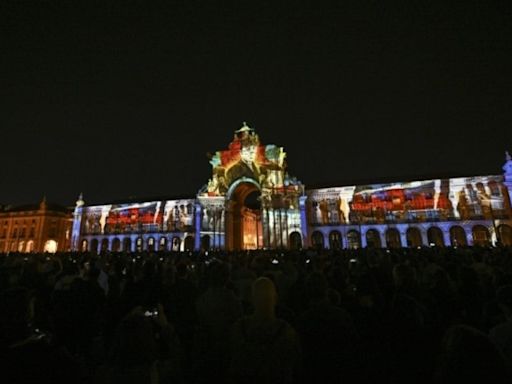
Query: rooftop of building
{"points": [[140, 199], [392, 180], [50, 207]]}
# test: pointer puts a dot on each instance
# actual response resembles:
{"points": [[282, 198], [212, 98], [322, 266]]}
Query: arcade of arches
{"points": [[456, 235]]}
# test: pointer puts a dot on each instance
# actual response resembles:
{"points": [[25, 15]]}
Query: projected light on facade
{"points": [[250, 202]]}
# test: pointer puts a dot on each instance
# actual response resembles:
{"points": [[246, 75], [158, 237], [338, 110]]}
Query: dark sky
{"points": [[126, 99]]}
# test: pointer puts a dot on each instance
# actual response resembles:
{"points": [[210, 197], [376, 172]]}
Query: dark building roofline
{"points": [[35, 207], [388, 180], [137, 199]]}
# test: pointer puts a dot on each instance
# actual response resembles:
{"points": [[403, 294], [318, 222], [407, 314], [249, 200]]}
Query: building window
{"points": [[52, 232]]}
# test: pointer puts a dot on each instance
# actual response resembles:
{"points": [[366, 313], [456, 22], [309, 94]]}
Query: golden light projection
{"points": [[246, 158]]}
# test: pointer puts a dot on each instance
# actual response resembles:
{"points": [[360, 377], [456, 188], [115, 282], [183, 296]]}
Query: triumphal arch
{"points": [[250, 202]]}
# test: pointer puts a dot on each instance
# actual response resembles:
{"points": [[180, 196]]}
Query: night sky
{"points": [[126, 100]]}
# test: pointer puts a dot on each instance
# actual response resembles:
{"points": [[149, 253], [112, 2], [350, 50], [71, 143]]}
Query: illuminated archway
{"points": [[393, 238], [353, 239], [176, 242], [94, 245], [244, 228], [317, 240], [481, 236], [139, 244], [335, 241], [295, 240], [189, 243], [30, 246], [505, 232], [205, 243], [458, 236], [162, 245], [104, 245], [116, 245], [50, 246], [151, 244], [435, 236], [373, 239], [414, 237], [127, 244]]}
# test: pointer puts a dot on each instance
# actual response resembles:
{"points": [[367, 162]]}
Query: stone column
{"points": [[469, 235], [446, 236], [77, 224], [424, 236], [403, 237], [362, 235], [508, 181], [198, 217], [382, 233], [304, 221]]}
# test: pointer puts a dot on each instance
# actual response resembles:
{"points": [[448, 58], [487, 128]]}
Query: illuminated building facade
{"points": [[251, 202], [135, 226], [35, 228], [456, 212]]}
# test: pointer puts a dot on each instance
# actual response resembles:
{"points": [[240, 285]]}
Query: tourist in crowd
{"points": [[29, 355], [468, 356], [328, 336], [145, 350], [218, 309], [501, 334], [265, 349]]}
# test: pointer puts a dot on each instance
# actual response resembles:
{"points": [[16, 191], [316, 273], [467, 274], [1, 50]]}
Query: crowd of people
{"points": [[431, 315]]}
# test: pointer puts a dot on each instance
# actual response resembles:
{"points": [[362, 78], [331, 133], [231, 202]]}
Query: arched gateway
{"points": [[250, 202], [244, 227]]}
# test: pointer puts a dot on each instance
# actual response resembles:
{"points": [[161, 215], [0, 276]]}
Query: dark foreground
{"points": [[417, 315]]}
